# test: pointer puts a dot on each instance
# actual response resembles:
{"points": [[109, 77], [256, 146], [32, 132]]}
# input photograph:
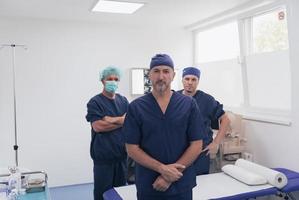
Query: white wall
{"points": [[277, 145], [56, 77]]}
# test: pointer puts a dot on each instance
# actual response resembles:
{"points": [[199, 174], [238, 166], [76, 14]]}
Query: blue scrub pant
{"points": [[107, 176], [181, 196], [202, 164]]}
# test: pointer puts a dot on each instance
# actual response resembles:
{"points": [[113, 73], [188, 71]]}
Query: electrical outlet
{"points": [[248, 156]]}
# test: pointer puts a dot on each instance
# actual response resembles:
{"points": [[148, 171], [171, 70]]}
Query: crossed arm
{"points": [[108, 123], [168, 172]]}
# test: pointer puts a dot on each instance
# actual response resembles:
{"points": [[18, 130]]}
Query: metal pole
{"points": [[15, 147], [15, 103]]}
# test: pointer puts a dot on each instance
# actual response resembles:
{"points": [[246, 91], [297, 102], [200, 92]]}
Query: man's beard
{"points": [[189, 89], [161, 86]]}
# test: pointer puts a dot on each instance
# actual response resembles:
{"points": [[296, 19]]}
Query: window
{"points": [[217, 52], [219, 43], [268, 68], [270, 32], [245, 65]]}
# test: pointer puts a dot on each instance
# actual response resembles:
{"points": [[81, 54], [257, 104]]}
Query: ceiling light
{"points": [[116, 7]]}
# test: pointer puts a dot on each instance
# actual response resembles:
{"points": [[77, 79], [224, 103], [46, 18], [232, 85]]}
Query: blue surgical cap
{"points": [[161, 59], [108, 71], [191, 71]]}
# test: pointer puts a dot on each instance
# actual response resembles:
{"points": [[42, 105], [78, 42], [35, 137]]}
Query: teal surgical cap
{"points": [[108, 71]]}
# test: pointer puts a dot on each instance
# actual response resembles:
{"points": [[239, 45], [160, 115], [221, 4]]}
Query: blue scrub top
{"points": [[107, 147], [211, 111], [165, 137]]}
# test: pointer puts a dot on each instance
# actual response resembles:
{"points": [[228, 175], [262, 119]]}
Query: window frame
{"points": [[244, 21]]}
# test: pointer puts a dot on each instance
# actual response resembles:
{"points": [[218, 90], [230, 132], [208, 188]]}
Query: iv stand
{"points": [[13, 46]]}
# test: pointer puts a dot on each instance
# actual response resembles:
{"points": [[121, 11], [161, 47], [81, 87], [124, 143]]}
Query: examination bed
{"points": [[222, 187]]}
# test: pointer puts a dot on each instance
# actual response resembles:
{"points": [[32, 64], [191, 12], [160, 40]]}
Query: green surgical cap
{"points": [[108, 71]]}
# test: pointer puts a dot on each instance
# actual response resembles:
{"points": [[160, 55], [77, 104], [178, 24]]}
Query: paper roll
{"points": [[244, 175], [273, 177]]}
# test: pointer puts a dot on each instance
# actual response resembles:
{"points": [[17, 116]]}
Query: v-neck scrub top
{"points": [[163, 136], [211, 111], [107, 147]]}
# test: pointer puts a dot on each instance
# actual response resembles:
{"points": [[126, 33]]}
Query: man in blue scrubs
{"points": [[212, 113], [163, 131], [106, 112]]}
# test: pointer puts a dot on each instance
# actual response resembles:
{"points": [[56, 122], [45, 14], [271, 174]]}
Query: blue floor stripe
{"points": [[72, 192]]}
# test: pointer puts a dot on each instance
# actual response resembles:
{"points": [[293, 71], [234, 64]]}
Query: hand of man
{"points": [[123, 118], [172, 172], [212, 148], [109, 119], [161, 184]]}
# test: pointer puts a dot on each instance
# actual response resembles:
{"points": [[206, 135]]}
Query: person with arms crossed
{"points": [[163, 131], [106, 112], [212, 113]]}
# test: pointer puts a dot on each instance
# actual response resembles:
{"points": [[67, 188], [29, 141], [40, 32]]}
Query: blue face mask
{"points": [[111, 86]]}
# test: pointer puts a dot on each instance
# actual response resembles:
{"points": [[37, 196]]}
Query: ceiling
{"points": [[155, 12]]}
